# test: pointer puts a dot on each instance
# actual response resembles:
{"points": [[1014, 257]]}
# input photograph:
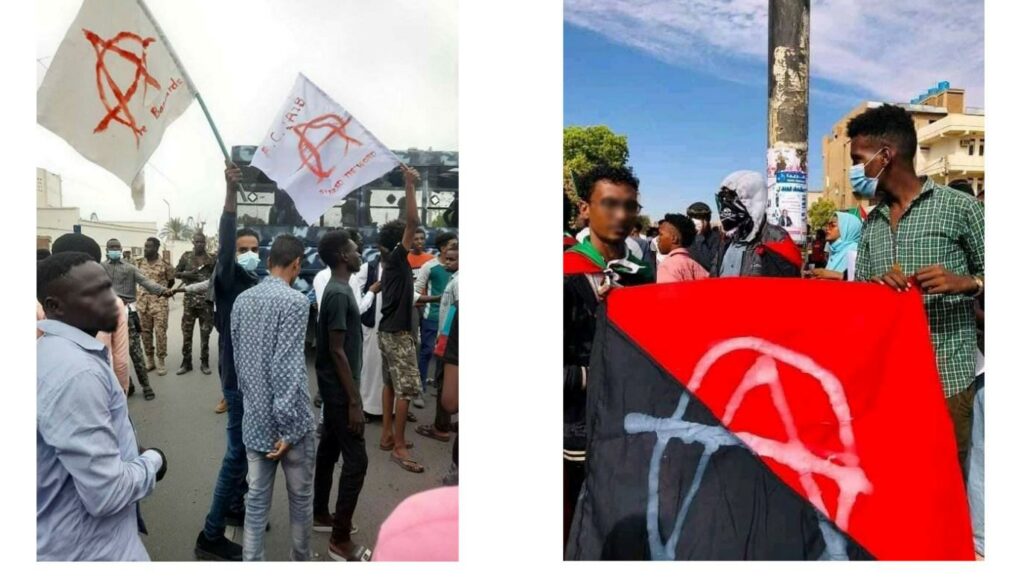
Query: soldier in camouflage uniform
{"points": [[153, 309], [194, 267]]}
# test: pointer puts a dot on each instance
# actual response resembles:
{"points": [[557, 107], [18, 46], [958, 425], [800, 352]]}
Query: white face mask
{"points": [[699, 223]]}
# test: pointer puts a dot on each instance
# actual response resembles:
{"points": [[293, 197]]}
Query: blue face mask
{"points": [[863, 185], [114, 255], [249, 261]]}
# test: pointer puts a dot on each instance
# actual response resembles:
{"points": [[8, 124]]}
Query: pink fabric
{"points": [[116, 342], [679, 266], [424, 527]]}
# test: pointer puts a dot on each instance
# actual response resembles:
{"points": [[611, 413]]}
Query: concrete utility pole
{"points": [[788, 83]]}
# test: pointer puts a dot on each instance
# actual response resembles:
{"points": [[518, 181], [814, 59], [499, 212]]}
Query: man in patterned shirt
{"points": [[268, 330], [922, 235]]}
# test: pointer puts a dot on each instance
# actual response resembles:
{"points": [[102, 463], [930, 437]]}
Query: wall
{"points": [[48, 189], [54, 222]]}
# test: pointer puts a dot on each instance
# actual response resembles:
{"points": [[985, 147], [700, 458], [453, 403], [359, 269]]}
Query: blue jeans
{"points": [[976, 469], [231, 485], [297, 464], [428, 336]]}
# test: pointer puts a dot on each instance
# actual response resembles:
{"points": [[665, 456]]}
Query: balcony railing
{"points": [[953, 125]]}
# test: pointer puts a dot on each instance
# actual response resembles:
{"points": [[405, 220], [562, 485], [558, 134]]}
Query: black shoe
{"points": [[148, 393], [204, 368], [220, 549], [184, 369]]}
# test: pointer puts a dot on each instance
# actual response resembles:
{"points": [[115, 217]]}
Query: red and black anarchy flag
{"points": [[768, 419]]}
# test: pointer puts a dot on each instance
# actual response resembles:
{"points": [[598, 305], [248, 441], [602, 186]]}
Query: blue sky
{"points": [[687, 81]]}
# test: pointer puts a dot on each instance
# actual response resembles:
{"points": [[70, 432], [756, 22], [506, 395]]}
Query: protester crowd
{"points": [[386, 336], [915, 234]]}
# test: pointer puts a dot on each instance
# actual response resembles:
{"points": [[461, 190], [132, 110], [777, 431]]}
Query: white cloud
{"points": [[394, 65], [879, 49]]}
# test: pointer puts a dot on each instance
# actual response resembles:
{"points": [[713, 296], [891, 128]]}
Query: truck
{"points": [[270, 211]]}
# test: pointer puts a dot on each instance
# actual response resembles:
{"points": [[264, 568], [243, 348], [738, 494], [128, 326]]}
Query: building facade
{"points": [[54, 220], [950, 143]]}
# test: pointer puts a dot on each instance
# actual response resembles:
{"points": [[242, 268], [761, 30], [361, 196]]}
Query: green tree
{"points": [[176, 229], [819, 213], [584, 147]]}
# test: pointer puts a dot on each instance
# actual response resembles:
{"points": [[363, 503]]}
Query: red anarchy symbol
{"points": [[310, 153], [117, 104]]}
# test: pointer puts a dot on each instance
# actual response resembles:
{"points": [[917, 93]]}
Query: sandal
{"points": [[391, 446], [360, 555], [407, 464], [431, 433]]}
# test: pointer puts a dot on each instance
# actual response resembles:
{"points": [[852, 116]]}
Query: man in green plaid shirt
{"points": [[925, 235]]}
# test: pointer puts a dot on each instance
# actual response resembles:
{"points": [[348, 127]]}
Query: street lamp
{"points": [[168, 210]]}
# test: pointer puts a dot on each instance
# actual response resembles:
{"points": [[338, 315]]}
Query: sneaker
{"points": [[220, 549], [452, 478], [204, 368], [326, 524], [148, 393], [418, 402], [222, 407], [184, 369], [323, 523], [161, 369]]}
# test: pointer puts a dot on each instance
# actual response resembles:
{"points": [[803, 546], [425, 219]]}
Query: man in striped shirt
{"points": [[926, 236]]}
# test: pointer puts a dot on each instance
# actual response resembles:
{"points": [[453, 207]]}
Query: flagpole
{"points": [[188, 80]]}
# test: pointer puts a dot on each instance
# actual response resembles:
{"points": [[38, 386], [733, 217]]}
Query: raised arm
{"points": [[225, 268], [412, 218]]}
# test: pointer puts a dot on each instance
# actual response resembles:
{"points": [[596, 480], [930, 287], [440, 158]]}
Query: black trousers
{"points": [[442, 419], [573, 475], [337, 440]]}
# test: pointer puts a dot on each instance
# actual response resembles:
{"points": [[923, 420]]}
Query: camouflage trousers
{"points": [[153, 316], [196, 308], [135, 349], [398, 362]]}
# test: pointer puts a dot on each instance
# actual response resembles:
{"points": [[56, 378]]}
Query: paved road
{"points": [[181, 422]]}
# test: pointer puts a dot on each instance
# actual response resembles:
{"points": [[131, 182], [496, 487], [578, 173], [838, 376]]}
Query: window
{"points": [[981, 147], [970, 148]]}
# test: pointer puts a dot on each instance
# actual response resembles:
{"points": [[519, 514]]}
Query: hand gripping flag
{"points": [[318, 153], [789, 429], [113, 88]]}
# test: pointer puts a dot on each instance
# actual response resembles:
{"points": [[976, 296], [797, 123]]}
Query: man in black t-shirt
{"points": [[397, 344], [339, 356]]}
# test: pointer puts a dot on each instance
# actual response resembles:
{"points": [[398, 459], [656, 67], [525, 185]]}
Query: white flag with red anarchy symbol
{"points": [[318, 152], [113, 88]]}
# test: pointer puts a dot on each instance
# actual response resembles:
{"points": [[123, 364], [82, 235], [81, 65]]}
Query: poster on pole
{"points": [[787, 193]]}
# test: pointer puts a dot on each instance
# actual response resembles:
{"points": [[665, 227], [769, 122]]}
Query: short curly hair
{"points": [[890, 123], [55, 268], [391, 234], [616, 175], [332, 247], [442, 240], [685, 226]]}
